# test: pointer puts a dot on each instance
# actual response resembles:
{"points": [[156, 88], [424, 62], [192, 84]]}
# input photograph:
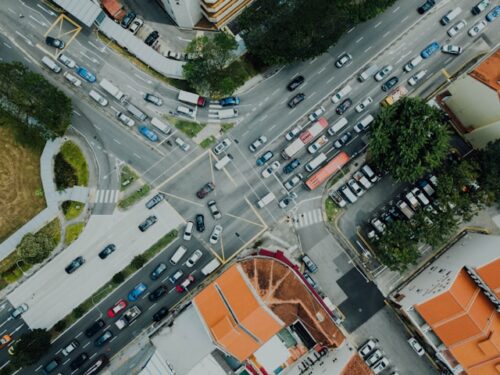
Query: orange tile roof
{"points": [[467, 322], [356, 366], [489, 274], [488, 72]]}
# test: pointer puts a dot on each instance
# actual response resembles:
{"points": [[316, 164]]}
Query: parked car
{"points": [[365, 103], [380, 366], [54, 42], [366, 348], [425, 7], [374, 357], [200, 222], [231, 100], [151, 38], [222, 146], [355, 187], [415, 345], [104, 338], [153, 99], [258, 143], [293, 132], [175, 277], [66, 60], [429, 50], [159, 292], [417, 77], [265, 157], [337, 198], [294, 181], [216, 233], [342, 60], [290, 167], [75, 264], [317, 114], [150, 220], [148, 133], [283, 203], [157, 198], [393, 81], [194, 258], [85, 74], [188, 231], [266, 172], [212, 205], [479, 7], [344, 106], [158, 271], [451, 49], [160, 314], [300, 97], [135, 293], [477, 28], [183, 286], [182, 144], [296, 82], [455, 29], [382, 73], [378, 225], [308, 262], [51, 366], [104, 253], [136, 25], [19, 310], [493, 14], [127, 20], [205, 190]]}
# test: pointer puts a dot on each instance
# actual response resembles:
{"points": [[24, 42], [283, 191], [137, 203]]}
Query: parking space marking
{"points": [[378, 24], [360, 39], [87, 344]]}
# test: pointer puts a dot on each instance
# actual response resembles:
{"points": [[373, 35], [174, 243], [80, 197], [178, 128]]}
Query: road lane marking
{"points": [[331, 79], [387, 33], [18, 328], [38, 21], [87, 344], [48, 11], [360, 39], [153, 305], [349, 31], [38, 368], [64, 363], [93, 355], [7, 45], [321, 70], [311, 95], [395, 10], [79, 334], [114, 139], [145, 295], [59, 351], [137, 156], [404, 19], [369, 48], [312, 61], [245, 220], [378, 24], [113, 339], [77, 113]]}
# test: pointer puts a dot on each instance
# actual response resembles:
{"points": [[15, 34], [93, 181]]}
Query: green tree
{"points": [[138, 261], [209, 73], [118, 278], [31, 347], [34, 248], [409, 139], [489, 159], [60, 325]]}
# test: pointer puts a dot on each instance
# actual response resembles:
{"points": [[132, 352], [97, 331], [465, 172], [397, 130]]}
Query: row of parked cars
{"points": [[360, 181]]}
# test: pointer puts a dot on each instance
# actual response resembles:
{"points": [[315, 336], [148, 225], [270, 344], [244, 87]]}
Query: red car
{"points": [[182, 286], [117, 308]]}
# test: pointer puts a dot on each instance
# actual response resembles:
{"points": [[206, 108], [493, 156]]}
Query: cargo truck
{"points": [[164, 128], [128, 317], [227, 113], [113, 90], [304, 138], [394, 96], [188, 97], [405, 209]]}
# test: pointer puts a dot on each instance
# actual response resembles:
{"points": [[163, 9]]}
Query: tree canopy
{"points": [[489, 159], [31, 347], [210, 73], [408, 139], [282, 32]]}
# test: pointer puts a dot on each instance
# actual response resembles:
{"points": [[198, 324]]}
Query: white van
{"points": [[227, 113], [412, 63], [338, 126], [315, 163], [265, 200], [363, 124], [160, 125], [179, 253], [368, 72], [186, 111], [450, 16], [341, 93], [51, 64], [188, 231], [348, 194], [223, 162], [136, 112], [368, 172], [98, 98], [210, 267]]}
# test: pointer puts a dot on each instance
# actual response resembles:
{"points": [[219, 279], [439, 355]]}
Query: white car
{"points": [[70, 347], [341, 93], [188, 231], [291, 183], [124, 119], [320, 142], [477, 28], [378, 225], [222, 146], [136, 25], [451, 49], [380, 366], [366, 348], [270, 170], [216, 233], [71, 78], [415, 345], [383, 73], [374, 357], [292, 133], [195, 257], [287, 200], [258, 143], [455, 29], [365, 103], [183, 145], [417, 78], [317, 113], [98, 98], [66, 60]]}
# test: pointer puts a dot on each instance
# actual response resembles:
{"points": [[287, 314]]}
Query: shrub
{"points": [[78, 312], [138, 261], [118, 278], [60, 325], [65, 174]]}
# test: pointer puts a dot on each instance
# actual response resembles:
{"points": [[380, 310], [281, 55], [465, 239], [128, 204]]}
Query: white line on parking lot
{"points": [[321, 70], [447, 60], [149, 308], [137, 156], [395, 10], [5, 322], [369, 48], [378, 24], [275, 91], [349, 31], [59, 351], [113, 339], [311, 95], [3, 332], [38, 368], [87, 344], [64, 363], [7, 45], [146, 294], [79, 334], [114, 139], [18, 328], [360, 39], [404, 19], [93, 355], [331, 79], [272, 127], [387, 33]]}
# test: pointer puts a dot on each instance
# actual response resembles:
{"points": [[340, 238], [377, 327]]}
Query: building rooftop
{"points": [[488, 72]]}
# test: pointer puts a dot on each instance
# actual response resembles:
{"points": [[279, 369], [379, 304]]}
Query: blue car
{"points": [[267, 156], [85, 74], [493, 14], [291, 166], [429, 50], [149, 134], [136, 292], [231, 100]]}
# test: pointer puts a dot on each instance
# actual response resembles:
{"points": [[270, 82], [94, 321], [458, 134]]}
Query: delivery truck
{"points": [[227, 113], [128, 317], [113, 90], [189, 97]]}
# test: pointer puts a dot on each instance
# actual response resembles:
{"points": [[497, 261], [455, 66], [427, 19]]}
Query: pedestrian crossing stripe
{"points": [[106, 196], [308, 218]]}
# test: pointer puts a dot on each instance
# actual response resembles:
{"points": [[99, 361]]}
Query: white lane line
{"points": [[64, 363], [313, 60], [98, 128], [114, 139], [349, 31], [38, 368], [142, 79], [87, 344], [11, 10], [77, 113], [367, 49], [321, 70], [113, 339], [92, 355], [48, 11], [272, 127], [395, 10], [378, 24], [81, 333], [38, 21], [404, 19], [387, 33], [25, 39], [311, 95], [59, 351], [360, 39], [137, 156], [18, 328], [331, 79], [150, 307], [7, 45], [275, 91]]}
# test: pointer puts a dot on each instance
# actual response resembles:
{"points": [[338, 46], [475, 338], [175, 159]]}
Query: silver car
{"points": [[258, 143], [216, 233], [383, 73]]}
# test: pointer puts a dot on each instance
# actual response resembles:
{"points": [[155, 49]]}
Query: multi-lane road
{"points": [[393, 38]]}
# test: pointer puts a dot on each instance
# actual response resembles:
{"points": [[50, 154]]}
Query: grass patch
{"points": [[134, 197], [112, 284], [74, 156], [190, 128], [207, 142], [73, 232], [21, 189], [226, 127], [72, 209], [127, 176], [331, 209], [177, 83]]}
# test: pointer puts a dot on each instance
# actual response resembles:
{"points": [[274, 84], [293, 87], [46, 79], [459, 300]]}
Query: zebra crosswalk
{"points": [[106, 196], [305, 219]]}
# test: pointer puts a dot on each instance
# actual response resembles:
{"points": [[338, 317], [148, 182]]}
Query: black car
{"points": [[200, 222], [147, 223], [159, 269], [387, 217], [127, 20], [344, 106], [94, 328], [160, 314], [346, 137], [394, 212], [107, 250], [53, 42], [79, 361], [104, 338], [292, 103], [156, 294], [207, 188], [152, 37], [155, 200], [296, 82], [291, 166], [426, 6], [393, 81], [75, 264]]}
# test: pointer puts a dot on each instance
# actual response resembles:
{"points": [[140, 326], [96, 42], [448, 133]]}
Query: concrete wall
{"points": [[186, 13]]}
